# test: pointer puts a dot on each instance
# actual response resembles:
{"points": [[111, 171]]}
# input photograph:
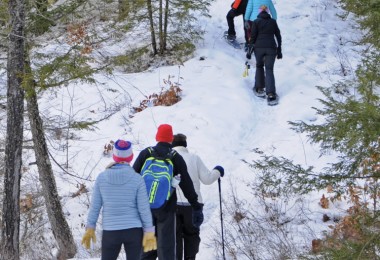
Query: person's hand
{"points": [[279, 53], [220, 168], [149, 241], [87, 237], [246, 24], [198, 217], [251, 48]]}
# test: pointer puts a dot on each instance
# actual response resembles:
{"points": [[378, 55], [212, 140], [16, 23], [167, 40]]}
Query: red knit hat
{"points": [[164, 133]]}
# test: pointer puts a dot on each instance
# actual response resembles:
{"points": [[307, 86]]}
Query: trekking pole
{"points": [[221, 217]]}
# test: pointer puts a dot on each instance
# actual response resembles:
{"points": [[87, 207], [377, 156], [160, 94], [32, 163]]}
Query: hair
{"points": [[179, 140], [263, 8]]}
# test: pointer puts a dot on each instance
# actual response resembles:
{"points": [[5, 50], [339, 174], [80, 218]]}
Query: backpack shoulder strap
{"points": [[152, 151], [171, 153]]}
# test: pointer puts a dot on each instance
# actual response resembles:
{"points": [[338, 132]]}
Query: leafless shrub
{"points": [[169, 95], [36, 238], [263, 226]]}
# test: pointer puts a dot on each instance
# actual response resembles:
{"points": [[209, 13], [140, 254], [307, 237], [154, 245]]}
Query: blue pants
{"points": [[264, 78], [130, 238]]}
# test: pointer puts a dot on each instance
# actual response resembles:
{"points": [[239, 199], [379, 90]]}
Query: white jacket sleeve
{"points": [[205, 176]]}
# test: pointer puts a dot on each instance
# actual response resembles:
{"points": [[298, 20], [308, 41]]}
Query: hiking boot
{"points": [[231, 37], [259, 92], [272, 99]]}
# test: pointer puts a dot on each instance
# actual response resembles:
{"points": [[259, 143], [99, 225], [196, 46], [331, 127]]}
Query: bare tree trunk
{"points": [[10, 226], [151, 22], [160, 27], [60, 228], [166, 17]]}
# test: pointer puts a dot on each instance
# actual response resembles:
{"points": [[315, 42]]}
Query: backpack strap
{"points": [[170, 155], [150, 150]]}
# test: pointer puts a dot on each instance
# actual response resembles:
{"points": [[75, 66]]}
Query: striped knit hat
{"points": [[122, 151]]}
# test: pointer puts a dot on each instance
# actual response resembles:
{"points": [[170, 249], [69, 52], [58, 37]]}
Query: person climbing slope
{"points": [[237, 8], [253, 9], [122, 196], [188, 236], [164, 217], [263, 44]]}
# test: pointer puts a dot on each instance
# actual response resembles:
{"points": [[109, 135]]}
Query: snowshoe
{"points": [[259, 92], [231, 40]]}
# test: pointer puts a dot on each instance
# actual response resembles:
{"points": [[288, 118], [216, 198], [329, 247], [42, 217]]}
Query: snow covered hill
{"points": [[224, 122]]}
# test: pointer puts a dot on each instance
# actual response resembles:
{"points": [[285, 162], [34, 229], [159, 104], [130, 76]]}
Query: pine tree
{"points": [[368, 18], [351, 129], [177, 28]]}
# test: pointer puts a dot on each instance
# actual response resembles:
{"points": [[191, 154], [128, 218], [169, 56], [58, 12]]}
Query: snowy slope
{"points": [[222, 119]]}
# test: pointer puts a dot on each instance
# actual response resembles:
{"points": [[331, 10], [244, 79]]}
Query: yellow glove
{"points": [[149, 241], [87, 237]]}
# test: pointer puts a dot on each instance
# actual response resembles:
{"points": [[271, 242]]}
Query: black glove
{"points": [[220, 170], [251, 48], [246, 24], [279, 53], [198, 217]]}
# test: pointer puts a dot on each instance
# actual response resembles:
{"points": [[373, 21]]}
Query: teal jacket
{"points": [[253, 6], [121, 194]]}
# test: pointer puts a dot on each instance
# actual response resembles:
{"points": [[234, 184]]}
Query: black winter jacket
{"points": [[179, 167], [240, 5], [263, 31]]}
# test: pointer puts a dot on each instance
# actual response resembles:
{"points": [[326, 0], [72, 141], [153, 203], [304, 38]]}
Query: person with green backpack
{"points": [[160, 165]]}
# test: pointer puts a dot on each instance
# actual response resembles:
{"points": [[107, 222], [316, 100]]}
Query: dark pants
{"points": [[188, 238], [130, 238], [231, 25], [265, 57], [165, 232]]}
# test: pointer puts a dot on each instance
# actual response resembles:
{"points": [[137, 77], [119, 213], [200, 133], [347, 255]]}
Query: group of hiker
{"points": [[158, 213], [263, 38], [126, 198]]}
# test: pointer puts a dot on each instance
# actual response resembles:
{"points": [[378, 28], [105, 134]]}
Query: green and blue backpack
{"points": [[157, 172]]}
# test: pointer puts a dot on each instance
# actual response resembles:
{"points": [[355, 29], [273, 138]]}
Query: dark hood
{"points": [[264, 15]]}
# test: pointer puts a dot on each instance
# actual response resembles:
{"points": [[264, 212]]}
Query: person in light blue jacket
{"points": [[253, 9], [127, 220]]}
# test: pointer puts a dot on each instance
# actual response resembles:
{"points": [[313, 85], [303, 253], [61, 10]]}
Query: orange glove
{"points": [[87, 237], [149, 241]]}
